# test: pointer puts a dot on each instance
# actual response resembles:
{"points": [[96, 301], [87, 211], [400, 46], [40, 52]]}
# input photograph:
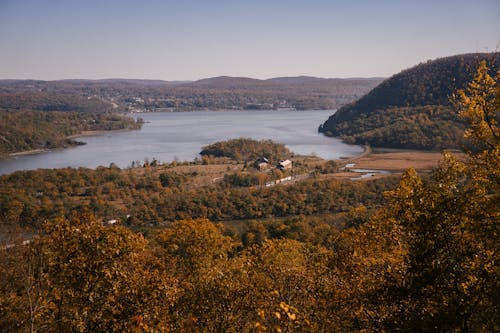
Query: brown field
{"points": [[395, 162], [399, 161]]}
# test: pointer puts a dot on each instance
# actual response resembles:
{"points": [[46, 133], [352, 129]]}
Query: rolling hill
{"points": [[223, 92]]}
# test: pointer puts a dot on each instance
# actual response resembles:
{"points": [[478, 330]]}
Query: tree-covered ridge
{"points": [[213, 93], [244, 149], [24, 130], [389, 114]]}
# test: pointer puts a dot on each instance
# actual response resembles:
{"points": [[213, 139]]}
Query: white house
{"points": [[285, 165]]}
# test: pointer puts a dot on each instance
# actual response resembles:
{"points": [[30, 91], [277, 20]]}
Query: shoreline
{"points": [[367, 151], [28, 152], [97, 132], [168, 110], [70, 137]]}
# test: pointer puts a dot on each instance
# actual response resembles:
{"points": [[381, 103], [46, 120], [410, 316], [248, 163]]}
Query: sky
{"points": [[194, 39]]}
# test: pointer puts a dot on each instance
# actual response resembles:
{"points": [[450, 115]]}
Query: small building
{"points": [[262, 164], [285, 165]]}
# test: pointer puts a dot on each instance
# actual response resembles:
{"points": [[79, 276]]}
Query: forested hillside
{"points": [[34, 118], [25, 130], [412, 109]]}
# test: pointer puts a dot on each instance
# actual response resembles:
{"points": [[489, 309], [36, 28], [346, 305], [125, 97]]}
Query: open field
{"points": [[399, 161], [377, 164]]}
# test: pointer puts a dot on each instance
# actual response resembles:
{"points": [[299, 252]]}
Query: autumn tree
{"points": [[83, 276], [449, 227], [196, 252], [193, 247]]}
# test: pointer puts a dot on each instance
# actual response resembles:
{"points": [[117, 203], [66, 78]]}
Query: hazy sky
{"points": [[193, 39]]}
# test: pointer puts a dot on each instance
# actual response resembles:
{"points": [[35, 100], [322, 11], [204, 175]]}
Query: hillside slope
{"points": [[411, 109]]}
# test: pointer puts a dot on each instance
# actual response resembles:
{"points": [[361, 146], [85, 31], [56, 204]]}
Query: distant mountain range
{"points": [[216, 93], [218, 82], [411, 109]]}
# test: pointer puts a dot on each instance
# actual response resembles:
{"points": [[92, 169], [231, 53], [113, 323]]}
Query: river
{"points": [[169, 136]]}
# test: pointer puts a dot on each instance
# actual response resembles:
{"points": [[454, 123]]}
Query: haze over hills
{"points": [[216, 93], [411, 109]]}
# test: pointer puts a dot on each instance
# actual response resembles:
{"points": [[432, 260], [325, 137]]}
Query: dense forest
{"points": [[153, 248], [25, 130], [220, 93], [412, 109]]}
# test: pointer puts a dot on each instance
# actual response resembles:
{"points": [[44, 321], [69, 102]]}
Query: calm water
{"points": [[180, 136]]}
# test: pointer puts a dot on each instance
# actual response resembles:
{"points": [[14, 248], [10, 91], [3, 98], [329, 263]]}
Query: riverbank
{"points": [[100, 132], [28, 152]]}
